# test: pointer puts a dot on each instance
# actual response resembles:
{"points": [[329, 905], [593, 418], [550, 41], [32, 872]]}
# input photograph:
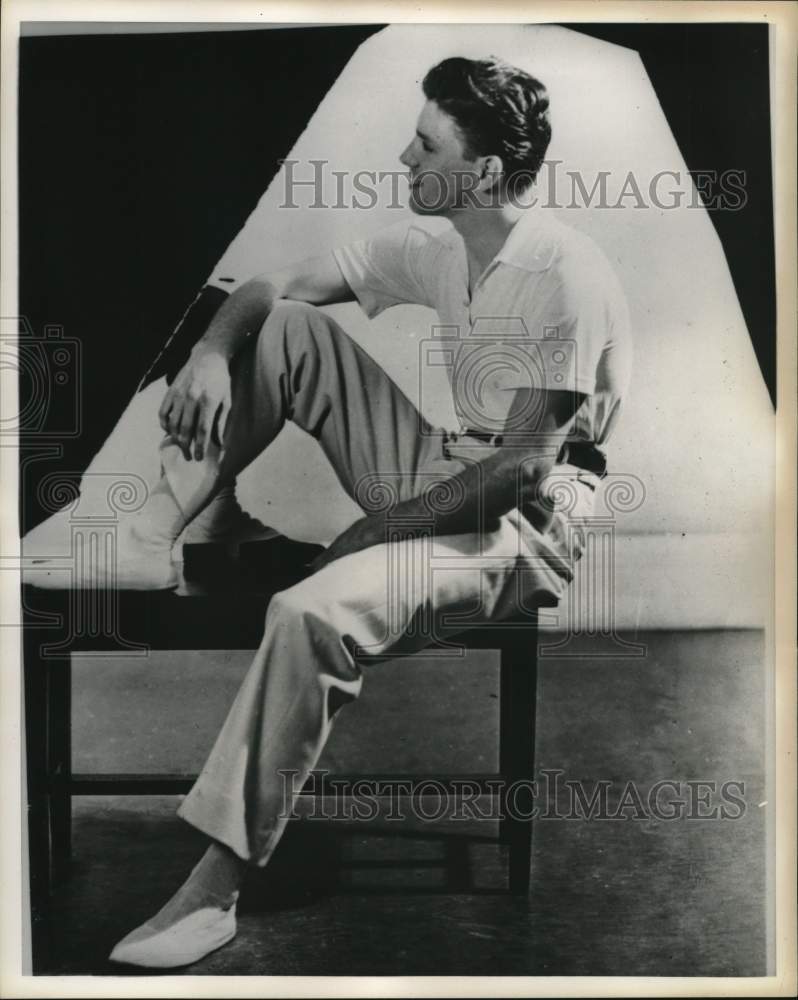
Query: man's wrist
{"points": [[210, 347]]}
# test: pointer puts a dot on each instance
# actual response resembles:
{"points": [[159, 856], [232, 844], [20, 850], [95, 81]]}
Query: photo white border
{"points": [[14, 935]]}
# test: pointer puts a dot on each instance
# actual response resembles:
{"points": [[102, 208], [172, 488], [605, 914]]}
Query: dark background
{"points": [[141, 156]]}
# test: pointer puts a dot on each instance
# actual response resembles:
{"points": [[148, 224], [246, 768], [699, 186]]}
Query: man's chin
{"points": [[418, 207]]}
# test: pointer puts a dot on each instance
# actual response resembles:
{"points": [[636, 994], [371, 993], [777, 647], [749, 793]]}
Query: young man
{"points": [[539, 360]]}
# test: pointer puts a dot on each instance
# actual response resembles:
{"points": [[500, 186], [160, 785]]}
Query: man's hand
{"points": [[198, 401], [364, 533], [199, 398]]}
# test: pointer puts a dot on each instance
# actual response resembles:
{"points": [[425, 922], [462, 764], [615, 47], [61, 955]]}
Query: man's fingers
{"points": [[221, 423], [172, 424], [204, 423], [185, 431], [166, 405], [192, 405], [172, 407]]}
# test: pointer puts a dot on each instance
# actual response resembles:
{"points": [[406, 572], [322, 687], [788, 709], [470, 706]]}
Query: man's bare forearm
{"points": [[196, 405], [243, 313], [482, 493]]}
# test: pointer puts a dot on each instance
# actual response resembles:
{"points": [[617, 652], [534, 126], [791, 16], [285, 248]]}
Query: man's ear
{"points": [[491, 173]]}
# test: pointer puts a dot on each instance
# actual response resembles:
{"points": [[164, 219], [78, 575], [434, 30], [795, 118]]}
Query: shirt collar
{"points": [[533, 241], [531, 245]]}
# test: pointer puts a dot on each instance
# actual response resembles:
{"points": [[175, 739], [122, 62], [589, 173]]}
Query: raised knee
{"points": [[287, 314], [293, 325], [313, 608], [293, 310]]}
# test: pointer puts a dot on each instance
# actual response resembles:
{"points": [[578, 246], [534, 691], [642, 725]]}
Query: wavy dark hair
{"points": [[499, 109]]}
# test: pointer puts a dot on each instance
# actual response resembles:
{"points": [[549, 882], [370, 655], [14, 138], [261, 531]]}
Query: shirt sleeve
{"points": [[575, 329], [387, 269]]}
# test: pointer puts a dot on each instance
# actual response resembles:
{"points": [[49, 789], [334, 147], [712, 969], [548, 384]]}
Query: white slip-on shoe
{"points": [[102, 558], [184, 942]]}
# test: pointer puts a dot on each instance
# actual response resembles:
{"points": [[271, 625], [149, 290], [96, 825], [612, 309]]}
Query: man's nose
{"points": [[407, 157]]}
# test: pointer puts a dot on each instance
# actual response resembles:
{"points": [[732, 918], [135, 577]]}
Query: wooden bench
{"points": [[224, 612]]}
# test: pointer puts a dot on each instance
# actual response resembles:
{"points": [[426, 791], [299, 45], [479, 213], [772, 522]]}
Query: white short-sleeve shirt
{"points": [[547, 313]]}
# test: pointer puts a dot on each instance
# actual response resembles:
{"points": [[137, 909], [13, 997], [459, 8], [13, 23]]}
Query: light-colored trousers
{"points": [[390, 598]]}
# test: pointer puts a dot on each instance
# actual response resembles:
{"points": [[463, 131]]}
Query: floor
{"points": [[626, 892]]}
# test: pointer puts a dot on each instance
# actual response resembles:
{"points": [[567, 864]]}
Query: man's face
{"points": [[440, 170]]}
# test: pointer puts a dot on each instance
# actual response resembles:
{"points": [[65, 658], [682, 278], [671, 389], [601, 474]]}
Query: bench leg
{"points": [[39, 818], [59, 764], [518, 694]]}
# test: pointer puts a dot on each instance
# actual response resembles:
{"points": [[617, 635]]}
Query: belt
{"points": [[492, 439], [583, 454]]}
